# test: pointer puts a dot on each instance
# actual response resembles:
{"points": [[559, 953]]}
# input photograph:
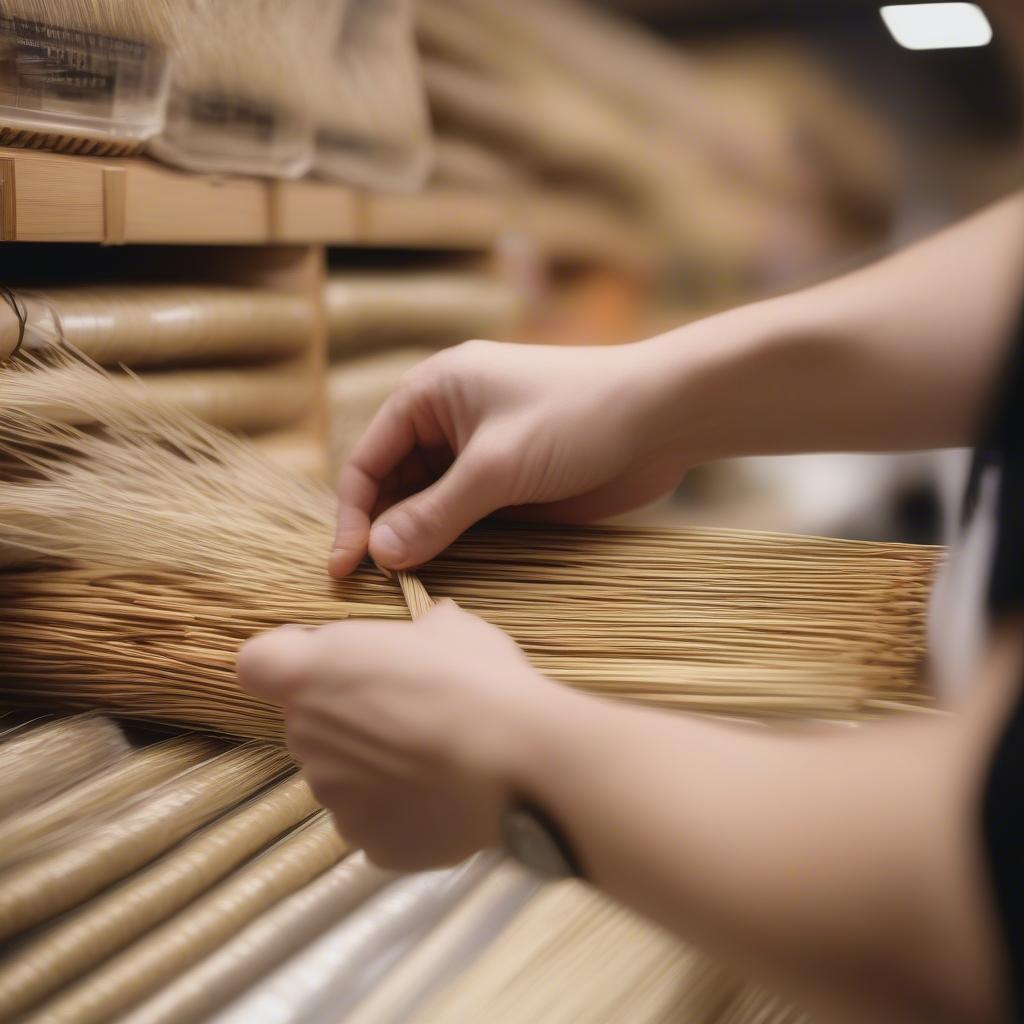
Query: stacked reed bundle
{"points": [[572, 955], [176, 543]]}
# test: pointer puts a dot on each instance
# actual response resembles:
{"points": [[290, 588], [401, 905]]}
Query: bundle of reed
{"points": [[327, 978], [22, 834], [134, 975], [179, 542], [38, 761], [154, 325], [251, 398], [413, 308], [356, 389], [111, 922], [372, 127], [464, 163], [90, 858], [573, 955], [264, 944]]}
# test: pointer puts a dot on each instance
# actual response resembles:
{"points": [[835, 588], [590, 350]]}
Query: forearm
{"points": [[900, 355], [840, 864]]}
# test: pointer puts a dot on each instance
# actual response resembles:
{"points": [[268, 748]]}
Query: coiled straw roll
{"points": [[23, 833], [38, 889], [40, 760], [414, 308], [264, 944], [108, 924], [155, 325], [160, 955]]}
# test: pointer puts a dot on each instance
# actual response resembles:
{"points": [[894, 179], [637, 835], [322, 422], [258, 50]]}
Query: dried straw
{"points": [[109, 923], [39, 761], [38, 889], [22, 834], [151, 962], [181, 542], [264, 944], [151, 325]]}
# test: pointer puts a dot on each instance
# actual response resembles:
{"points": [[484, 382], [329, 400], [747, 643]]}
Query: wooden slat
{"points": [[56, 198], [310, 211], [439, 218]]}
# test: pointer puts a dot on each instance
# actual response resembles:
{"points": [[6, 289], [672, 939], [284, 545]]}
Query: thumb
{"points": [[423, 525]]}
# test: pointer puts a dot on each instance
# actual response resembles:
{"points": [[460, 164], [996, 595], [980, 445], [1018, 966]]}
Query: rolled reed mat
{"points": [[39, 889], [109, 923], [298, 452], [152, 325], [465, 163], [571, 955], [40, 760], [445, 951], [130, 977], [356, 389], [22, 834], [417, 308], [263, 945], [188, 538], [324, 980], [372, 126], [253, 398]]}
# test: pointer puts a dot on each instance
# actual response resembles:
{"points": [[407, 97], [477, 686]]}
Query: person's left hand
{"points": [[410, 733]]}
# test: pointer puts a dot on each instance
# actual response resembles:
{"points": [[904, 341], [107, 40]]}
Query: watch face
{"points": [[534, 845]]}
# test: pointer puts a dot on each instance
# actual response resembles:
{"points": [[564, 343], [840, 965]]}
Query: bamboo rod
{"points": [[39, 889], [264, 944], [126, 980], [152, 325], [41, 760], [116, 918], [22, 834]]}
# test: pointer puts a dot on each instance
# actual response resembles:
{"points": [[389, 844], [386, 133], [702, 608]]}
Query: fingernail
{"points": [[387, 546]]}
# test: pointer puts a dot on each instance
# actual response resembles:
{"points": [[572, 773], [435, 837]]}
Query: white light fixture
{"points": [[937, 26]]}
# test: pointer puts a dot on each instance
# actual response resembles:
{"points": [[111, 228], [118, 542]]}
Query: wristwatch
{"points": [[534, 840]]}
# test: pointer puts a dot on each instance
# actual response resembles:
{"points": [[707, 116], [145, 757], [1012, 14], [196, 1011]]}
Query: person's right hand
{"points": [[562, 434]]}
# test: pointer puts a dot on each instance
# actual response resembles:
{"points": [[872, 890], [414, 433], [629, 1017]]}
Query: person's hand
{"points": [[409, 733], [485, 426]]}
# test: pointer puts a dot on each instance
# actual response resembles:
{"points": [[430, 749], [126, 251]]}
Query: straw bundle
{"points": [[86, 862], [572, 955], [22, 834], [36, 762], [138, 972], [180, 542], [330, 975], [108, 924], [417, 308], [152, 325], [264, 944]]}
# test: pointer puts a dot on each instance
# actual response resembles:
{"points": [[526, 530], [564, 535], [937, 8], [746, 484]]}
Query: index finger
{"points": [[390, 437]]}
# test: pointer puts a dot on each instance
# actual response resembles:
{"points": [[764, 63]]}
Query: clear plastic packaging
{"points": [[78, 91]]}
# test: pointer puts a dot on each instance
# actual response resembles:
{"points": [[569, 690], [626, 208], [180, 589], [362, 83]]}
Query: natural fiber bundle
{"points": [[185, 538], [467, 164], [572, 955], [417, 308], [264, 944], [253, 398], [356, 389], [443, 954], [370, 112], [111, 922], [152, 325], [38, 761], [22, 834], [328, 977], [37, 890], [138, 972]]}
